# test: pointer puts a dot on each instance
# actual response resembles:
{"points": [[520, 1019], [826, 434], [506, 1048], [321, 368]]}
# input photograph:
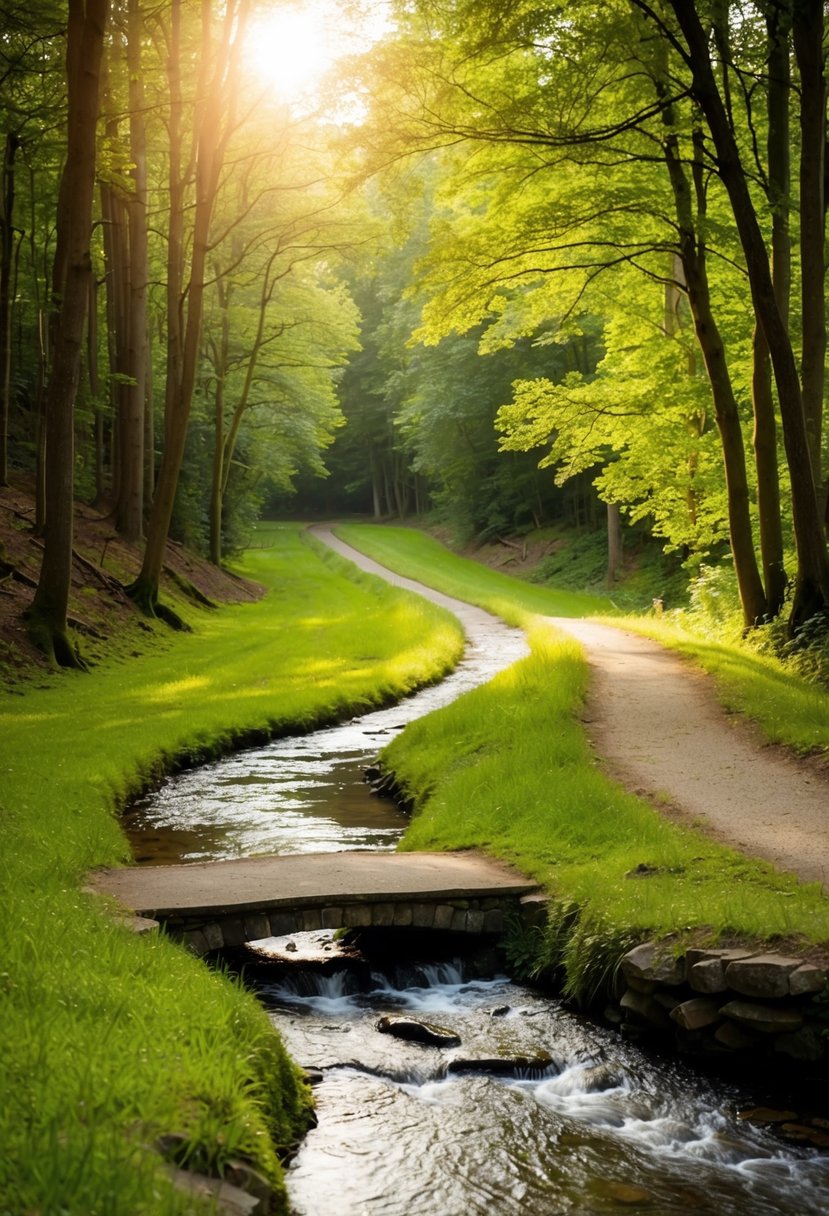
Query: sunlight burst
{"points": [[290, 50]]}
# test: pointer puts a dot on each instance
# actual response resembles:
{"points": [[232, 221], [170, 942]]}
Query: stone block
{"points": [[139, 925], [309, 920], [233, 931], [357, 917], [213, 935], [696, 1014], [282, 923], [708, 975], [256, 927], [443, 916], [735, 1037], [724, 954], [805, 1044], [763, 975], [493, 921], [765, 1019], [459, 916], [533, 909], [423, 916], [645, 1008], [382, 915], [807, 979], [403, 914], [640, 985], [667, 999], [474, 921], [195, 941], [332, 918], [654, 961]]}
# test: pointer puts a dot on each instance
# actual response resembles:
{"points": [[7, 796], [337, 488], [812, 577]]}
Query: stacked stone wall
{"points": [[726, 1002]]}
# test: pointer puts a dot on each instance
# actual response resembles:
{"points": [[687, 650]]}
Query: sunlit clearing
{"points": [[289, 51]]}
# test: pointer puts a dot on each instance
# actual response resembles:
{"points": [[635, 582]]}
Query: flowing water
{"points": [[594, 1126], [304, 794], [600, 1127]]}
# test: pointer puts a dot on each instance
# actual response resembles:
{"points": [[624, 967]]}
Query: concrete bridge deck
{"points": [[224, 903]]}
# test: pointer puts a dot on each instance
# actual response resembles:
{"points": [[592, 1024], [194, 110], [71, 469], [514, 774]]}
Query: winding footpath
{"points": [[658, 729]]}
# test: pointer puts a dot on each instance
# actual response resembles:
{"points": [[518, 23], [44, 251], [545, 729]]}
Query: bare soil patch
{"points": [[102, 617]]}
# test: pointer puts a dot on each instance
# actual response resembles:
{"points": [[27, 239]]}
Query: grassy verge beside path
{"points": [[108, 1040], [513, 756]]}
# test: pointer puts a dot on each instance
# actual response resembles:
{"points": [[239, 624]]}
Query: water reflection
{"points": [[302, 794]]}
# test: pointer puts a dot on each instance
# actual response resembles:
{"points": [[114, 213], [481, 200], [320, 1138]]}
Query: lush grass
{"points": [[419, 556], [507, 769], [109, 1040], [788, 709]]}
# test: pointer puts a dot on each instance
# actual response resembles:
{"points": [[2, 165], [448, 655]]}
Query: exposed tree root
{"points": [[145, 597], [189, 588], [54, 643]]}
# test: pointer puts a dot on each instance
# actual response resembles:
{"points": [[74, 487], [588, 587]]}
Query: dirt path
{"points": [[661, 732], [657, 727]]}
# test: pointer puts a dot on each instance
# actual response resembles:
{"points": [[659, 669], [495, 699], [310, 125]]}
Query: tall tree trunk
{"points": [[130, 514], [693, 256], [778, 25], [47, 617], [6, 279], [116, 257], [808, 30], [614, 542], [41, 376], [214, 124], [95, 389], [812, 585]]}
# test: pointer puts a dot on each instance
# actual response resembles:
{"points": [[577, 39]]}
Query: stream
{"points": [[537, 1111]]}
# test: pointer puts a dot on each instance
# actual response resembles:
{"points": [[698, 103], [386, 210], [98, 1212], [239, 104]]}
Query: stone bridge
{"points": [[212, 905]]}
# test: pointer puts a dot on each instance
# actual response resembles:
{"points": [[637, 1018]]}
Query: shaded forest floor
{"points": [[102, 617]]}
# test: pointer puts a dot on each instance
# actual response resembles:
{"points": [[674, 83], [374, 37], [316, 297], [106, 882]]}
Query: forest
{"points": [[495, 268]]}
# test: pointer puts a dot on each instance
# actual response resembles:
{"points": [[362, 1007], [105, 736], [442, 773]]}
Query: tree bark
{"points": [[614, 542], [808, 30], [6, 278], [47, 618], [214, 123], [778, 26], [694, 267], [130, 517]]}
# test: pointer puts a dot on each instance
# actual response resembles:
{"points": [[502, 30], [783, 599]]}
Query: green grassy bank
{"points": [[507, 769], [110, 1041]]}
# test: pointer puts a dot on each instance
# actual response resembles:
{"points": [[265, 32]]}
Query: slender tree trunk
{"points": [[6, 278], [614, 542], [95, 389], [218, 482], [131, 499], [149, 427], [47, 618], [778, 23], [214, 123], [808, 28], [40, 422], [729, 423]]}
